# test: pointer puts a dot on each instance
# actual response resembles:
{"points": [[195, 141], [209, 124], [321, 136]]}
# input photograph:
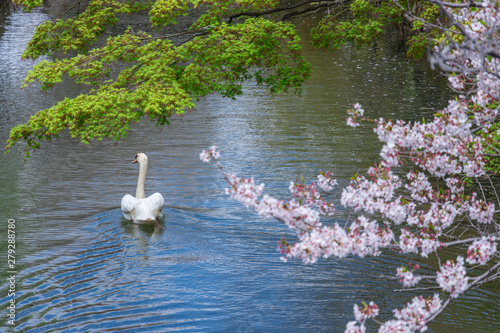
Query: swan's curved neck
{"points": [[143, 168]]}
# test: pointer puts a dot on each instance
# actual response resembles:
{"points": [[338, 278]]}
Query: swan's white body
{"points": [[139, 209]]}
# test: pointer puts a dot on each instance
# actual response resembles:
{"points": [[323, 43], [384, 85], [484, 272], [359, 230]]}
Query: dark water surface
{"points": [[82, 268]]}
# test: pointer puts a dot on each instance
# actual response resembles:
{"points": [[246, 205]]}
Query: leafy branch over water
{"points": [[163, 73]]}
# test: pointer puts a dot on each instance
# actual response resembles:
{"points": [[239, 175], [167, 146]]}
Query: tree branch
{"points": [[459, 5], [438, 312], [282, 9], [479, 280], [460, 242], [310, 9]]}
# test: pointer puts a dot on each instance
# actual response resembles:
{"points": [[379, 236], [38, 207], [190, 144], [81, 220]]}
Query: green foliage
{"points": [[423, 38], [77, 34], [229, 42], [158, 78], [417, 46], [217, 11], [28, 5], [491, 137], [271, 49]]}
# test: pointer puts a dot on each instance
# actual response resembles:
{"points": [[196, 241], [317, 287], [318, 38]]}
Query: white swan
{"points": [[142, 210]]}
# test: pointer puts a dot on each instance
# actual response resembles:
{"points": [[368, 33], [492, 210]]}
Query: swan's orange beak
{"points": [[135, 161]]}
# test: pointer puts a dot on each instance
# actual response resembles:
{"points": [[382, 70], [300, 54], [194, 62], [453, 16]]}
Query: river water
{"points": [[214, 267]]}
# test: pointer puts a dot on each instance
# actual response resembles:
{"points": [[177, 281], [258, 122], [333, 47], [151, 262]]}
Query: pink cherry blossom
{"points": [[407, 278], [415, 314], [369, 310], [354, 113], [395, 326], [481, 251], [326, 182], [351, 122], [208, 155], [352, 327]]}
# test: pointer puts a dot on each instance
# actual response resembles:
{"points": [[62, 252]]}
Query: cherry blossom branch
{"points": [[420, 288], [475, 282], [479, 280], [441, 309]]}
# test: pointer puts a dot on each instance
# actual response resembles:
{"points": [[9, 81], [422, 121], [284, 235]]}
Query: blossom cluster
{"points": [[413, 316], [444, 146], [353, 114], [368, 311], [407, 278], [310, 196], [209, 154], [244, 190], [326, 182], [471, 60], [362, 238], [452, 277], [425, 208], [481, 251]]}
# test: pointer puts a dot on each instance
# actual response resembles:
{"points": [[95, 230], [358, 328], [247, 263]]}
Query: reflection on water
{"points": [[214, 267]]}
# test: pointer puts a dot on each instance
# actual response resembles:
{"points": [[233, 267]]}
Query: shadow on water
{"points": [[143, 230]]}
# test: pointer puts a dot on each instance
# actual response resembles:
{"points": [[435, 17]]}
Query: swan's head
{"points": [[141, 158]]}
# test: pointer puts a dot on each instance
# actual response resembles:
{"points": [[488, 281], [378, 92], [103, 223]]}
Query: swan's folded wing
{"points": [[129, 203], [156, 201]]}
